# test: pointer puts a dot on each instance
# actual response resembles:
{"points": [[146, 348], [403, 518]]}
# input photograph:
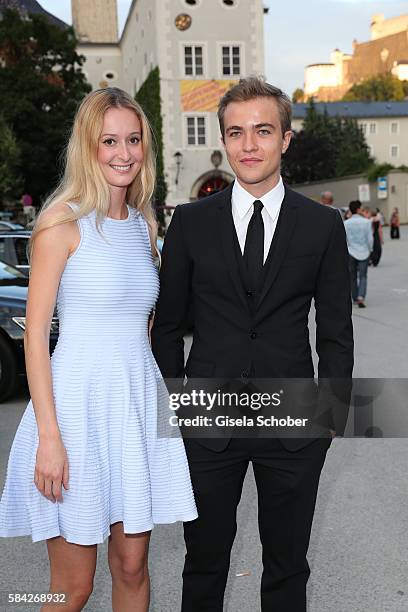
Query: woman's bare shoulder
{"points": [[56, 225], [60, 211]]}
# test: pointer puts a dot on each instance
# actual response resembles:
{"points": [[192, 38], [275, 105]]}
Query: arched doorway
{"points": [[212, 185], [210, 182]]}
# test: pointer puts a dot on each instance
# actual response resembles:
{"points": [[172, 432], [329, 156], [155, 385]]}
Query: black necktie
{"points": [[254, 245]]}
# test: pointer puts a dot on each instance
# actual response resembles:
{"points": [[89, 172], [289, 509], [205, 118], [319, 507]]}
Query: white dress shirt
{"points": [[243, 207]]}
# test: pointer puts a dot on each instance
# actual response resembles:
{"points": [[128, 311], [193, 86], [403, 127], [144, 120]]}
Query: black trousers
{"points": [[394, 232], [287, 485]]}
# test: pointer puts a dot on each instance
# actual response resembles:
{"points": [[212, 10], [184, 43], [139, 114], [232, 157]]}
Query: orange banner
{"points": [[202, 96]]}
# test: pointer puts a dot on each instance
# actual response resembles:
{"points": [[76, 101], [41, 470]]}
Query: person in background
{"points": [[380, 216], [377, 237], [326, 198], [395, 224], [360, 244], [366, 212]]}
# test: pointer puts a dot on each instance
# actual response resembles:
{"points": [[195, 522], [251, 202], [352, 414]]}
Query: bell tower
{"points": [[95, 22]]}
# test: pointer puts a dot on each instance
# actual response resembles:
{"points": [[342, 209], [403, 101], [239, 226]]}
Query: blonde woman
{"points": [[86, 463]]}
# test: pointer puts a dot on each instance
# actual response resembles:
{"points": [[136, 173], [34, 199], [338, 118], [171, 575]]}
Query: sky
{"points": [[297, 32]]}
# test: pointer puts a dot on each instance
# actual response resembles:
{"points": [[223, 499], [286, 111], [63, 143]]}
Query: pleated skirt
{"points": [[107, 392]]}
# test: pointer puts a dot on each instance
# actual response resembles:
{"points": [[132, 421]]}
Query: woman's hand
{"points": [[51, 468]]}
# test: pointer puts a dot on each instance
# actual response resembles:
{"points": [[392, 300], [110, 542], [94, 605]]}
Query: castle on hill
{"points": [[386, 52]]}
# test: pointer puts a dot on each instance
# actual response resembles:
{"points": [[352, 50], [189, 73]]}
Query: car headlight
{"points": [[20, 321]]}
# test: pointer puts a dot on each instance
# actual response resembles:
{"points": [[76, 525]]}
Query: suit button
{"points": [[249, 293], [253, 335], [244, 374]]}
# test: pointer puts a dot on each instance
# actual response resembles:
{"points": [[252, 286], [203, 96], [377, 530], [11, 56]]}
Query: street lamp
{"points": [[178, 157], [216, 158]]}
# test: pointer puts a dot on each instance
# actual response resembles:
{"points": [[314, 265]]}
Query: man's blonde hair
{"points": [[256, 87]]}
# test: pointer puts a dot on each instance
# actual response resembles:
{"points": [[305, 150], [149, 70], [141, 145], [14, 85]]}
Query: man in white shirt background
{"points": [[360, 240]]}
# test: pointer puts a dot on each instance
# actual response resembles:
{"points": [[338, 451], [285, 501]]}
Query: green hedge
{"points": [[148, 97]]}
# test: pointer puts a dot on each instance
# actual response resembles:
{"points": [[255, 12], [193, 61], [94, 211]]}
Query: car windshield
{"points": [[9, 273]]}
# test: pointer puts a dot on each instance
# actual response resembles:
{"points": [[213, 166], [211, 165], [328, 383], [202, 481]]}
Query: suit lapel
{"points": [[226, 231], [281, 240]]}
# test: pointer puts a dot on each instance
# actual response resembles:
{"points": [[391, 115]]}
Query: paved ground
{"points": [[359, 544]]}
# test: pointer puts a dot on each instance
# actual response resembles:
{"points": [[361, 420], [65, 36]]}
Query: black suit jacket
{"points": [[308, 259]]}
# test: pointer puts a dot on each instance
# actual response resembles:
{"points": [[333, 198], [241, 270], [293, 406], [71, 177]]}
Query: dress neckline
{"points": [[110, 219]]}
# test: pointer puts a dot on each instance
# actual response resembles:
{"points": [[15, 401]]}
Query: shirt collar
{"points": [[242, 200]]}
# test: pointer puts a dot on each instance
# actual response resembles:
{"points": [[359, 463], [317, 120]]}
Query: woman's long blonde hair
{"points": [[83, 182]]}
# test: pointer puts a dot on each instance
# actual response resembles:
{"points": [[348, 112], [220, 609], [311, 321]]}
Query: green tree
{"points": [[352, 154], [310, 157], [41, 84], [384, 87], [10, 177], [326, 147], [377, 170], [149, 98], [298, 95]]}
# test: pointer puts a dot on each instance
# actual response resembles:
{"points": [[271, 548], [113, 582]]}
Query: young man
{"points": [[251, 259], [360, 240]]}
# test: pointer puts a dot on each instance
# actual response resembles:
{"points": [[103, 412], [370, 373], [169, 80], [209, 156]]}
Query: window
{"points": [[8, 273], [196, 131], [394, 127], [394, 151], [193, 60], [363, 127], [110, 75], [370, 150], [373, 128], [21, 246], [229, 2], [231, 60]]}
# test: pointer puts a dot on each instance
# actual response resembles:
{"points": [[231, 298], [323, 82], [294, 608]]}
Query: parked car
{"points": [[14, 249], [10, 226], [13, 299]]}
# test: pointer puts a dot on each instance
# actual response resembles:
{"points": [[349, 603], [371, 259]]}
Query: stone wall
{"points": [[346, 189]]}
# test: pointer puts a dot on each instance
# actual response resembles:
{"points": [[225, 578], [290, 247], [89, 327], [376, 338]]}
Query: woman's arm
{"points": [[51, 249]]}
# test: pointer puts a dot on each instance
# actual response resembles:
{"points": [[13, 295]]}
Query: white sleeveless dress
{"points": [[106, 390]]}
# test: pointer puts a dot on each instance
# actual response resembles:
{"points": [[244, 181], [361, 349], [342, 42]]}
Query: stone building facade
{"points": [[93, 23], [201, 47]]}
